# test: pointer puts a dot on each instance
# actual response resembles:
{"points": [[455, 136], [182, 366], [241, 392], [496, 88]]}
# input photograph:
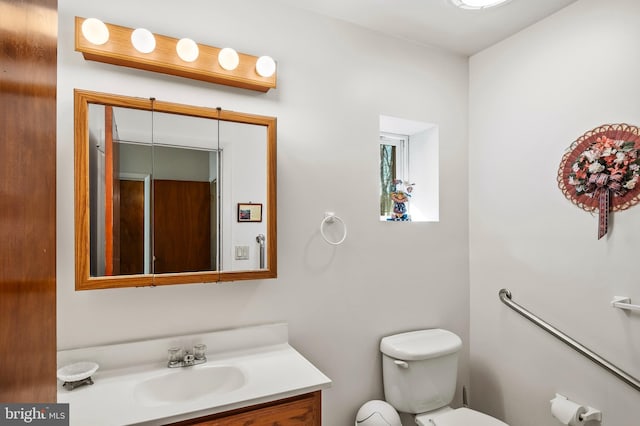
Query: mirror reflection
{"points": [[173, 193], [120, 192], [185, 193]]}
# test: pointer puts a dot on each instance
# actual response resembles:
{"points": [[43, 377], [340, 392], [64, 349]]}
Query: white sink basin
{"points": [[189, 383], [250, 365]]}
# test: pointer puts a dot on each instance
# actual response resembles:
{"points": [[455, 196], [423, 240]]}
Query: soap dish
{"points": [[77, 374]]}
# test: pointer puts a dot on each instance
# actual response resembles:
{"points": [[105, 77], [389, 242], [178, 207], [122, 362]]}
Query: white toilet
{"points": [[419, 370]]}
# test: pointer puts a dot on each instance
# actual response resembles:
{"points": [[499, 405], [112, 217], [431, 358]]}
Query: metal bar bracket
{"points": [[623, 302]]}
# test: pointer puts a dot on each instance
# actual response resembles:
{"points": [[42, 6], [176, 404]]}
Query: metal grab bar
{"points": [[505, 297]]}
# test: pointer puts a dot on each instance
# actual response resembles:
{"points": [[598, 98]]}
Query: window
{"points": [[409, 186], [393, 167]]}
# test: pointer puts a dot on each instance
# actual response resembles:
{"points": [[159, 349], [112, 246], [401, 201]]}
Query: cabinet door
{"points": [[303, 410]]}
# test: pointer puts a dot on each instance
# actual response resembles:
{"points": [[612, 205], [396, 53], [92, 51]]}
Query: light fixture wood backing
{"points": [[164, 59]]}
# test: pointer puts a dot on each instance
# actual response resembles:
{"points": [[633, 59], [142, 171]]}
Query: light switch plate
{"points": [[242, 252]]}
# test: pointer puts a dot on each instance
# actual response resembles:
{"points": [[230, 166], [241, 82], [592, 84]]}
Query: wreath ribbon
{"points": [[602, 185]]}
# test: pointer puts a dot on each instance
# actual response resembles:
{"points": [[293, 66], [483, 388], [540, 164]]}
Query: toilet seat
{"points": [[458, 417]]}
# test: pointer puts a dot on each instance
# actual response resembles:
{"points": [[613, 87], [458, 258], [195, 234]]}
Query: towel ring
{"points": [[330, 217]]}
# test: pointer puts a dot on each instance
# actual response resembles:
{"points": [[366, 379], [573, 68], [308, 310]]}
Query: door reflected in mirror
{"points": [[185, 193], [157, 190], [185, 213]]}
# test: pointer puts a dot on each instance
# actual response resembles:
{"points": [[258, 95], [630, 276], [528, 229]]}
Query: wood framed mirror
{"points": [[159, 190]]}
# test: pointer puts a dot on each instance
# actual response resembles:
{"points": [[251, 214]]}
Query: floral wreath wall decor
{"points": [[601, 169]]}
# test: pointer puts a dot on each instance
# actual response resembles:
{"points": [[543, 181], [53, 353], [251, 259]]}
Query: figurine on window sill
{"points": [[400, 196]]}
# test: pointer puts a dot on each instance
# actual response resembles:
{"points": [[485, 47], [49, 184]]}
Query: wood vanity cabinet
{"points": [[301, 410]]}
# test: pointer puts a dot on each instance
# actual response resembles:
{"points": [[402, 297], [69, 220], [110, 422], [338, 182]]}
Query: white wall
{"points": [[334, 81], [530, 97]]}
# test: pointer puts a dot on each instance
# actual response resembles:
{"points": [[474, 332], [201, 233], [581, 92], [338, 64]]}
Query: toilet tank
{"points": [[419, 369]]}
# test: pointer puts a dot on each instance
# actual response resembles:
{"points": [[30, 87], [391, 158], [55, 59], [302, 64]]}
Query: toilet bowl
{"points": [[419, 371]]}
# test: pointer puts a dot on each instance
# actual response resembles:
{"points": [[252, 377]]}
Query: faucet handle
{"points": [[175, 356], [199, 351]]}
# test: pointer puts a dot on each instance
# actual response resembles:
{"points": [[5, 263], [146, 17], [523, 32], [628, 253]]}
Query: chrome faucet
{"points": [[180, 358]]}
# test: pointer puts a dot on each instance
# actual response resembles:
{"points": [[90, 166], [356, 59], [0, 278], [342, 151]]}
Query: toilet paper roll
{"points": [[566, 411]]}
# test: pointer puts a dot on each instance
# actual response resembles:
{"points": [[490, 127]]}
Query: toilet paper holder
{"points": [[586, 413], [591, 414]]}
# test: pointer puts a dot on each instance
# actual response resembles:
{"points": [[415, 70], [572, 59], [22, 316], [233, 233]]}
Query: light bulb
{"points": [[228, 59], [187, 50], [265, 66], [95, 31], [143, 40]]}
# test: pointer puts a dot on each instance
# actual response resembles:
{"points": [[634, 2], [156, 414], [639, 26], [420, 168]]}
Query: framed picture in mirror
{"points": [[249, 212]]}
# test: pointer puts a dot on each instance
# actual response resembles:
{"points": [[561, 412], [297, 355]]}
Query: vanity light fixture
{"points": [[184, 58], [95, 31], [228, 59], [478, 4], [265, 66], [187, 49], [143, 40]]}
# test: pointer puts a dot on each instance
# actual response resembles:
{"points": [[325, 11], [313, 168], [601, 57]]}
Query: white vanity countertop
{"points": [[273, 370]]}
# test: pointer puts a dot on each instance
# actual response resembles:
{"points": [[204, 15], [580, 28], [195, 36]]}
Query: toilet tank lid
{"points": [[420, 344]]}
